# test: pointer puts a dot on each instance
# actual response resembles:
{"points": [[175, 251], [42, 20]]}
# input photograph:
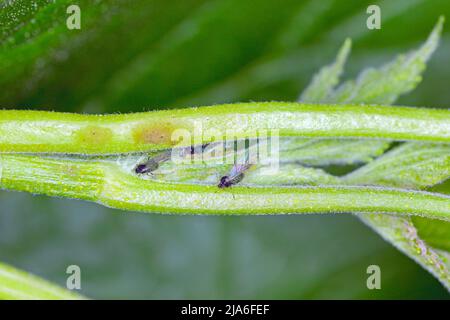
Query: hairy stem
{"points": [[109, 184], [51, 132]]}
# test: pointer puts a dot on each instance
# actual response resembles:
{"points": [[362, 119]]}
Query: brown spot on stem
{"points": [[154, 134]]}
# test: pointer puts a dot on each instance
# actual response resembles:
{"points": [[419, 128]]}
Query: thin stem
{"points": [[109, 184], [51, 132]]}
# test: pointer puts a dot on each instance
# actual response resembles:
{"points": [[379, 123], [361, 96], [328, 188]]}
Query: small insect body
{"points": [[148, 167], [235, 176], [152, 164]]}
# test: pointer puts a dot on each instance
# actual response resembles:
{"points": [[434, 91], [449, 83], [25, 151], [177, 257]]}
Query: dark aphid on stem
{"points": [[147, 167], [236, 175], [153, 164], [237, 172]]}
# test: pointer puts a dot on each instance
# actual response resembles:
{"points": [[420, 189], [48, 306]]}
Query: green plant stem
{"points": [[109, 184], [51, 132]]}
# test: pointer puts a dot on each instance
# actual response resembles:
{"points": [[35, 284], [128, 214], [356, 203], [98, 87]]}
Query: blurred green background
{"points": [[151, 54]]}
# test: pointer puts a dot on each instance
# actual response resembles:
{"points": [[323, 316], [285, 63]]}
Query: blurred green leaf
{"points": [[324, 82], [385, 84]]}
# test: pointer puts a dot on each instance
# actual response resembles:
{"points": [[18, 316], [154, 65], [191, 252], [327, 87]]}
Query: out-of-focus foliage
{"points": [[139, 55]]}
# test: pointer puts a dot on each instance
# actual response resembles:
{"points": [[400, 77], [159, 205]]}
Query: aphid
{"points": [[237, 172], [236, 175], [147, 167], [152, 164]]}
